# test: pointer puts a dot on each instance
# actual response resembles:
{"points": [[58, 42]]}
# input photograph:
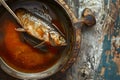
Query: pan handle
{"points": [[68, 10], [88, 18]]}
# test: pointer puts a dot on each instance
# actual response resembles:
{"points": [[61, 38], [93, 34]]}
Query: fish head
{"points": [[56, 39], [62, 41]]}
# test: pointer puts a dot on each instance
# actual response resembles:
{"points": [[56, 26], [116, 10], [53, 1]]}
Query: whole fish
{"points": [[40, 29]]}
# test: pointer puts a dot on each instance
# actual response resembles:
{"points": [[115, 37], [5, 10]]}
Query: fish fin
{"points": [[38, 45], [29, 39], [20, 29]]}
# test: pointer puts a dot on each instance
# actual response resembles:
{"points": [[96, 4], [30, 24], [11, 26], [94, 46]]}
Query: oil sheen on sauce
{"points": [[21, 56]]}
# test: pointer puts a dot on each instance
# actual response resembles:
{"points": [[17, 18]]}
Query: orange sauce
{"points": [[20, 55]]}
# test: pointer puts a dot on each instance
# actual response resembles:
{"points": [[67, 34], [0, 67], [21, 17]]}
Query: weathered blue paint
{"points": [[111, 68]]}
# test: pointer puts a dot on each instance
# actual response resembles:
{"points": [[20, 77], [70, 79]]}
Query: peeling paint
{"points": [[102, 71], [111, 44], [116, 59]]}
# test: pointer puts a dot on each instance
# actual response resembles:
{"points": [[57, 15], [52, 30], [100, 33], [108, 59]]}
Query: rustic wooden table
{"points": [[99, 58]]}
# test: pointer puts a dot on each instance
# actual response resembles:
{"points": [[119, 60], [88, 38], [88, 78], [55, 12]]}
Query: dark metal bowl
{"points": [[72, 32]]}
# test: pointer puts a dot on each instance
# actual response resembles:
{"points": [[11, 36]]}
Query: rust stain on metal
{"points": [[75, 51], [116, 59], [108, 26], [67, 8], [102, 71], [115, 46], [108, 54]]}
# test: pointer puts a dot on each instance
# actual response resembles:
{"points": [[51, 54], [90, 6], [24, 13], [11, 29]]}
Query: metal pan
{"points": [[71, 28]]}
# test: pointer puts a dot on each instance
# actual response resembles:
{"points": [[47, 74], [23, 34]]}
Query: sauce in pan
{"points": [[21, 56]]}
